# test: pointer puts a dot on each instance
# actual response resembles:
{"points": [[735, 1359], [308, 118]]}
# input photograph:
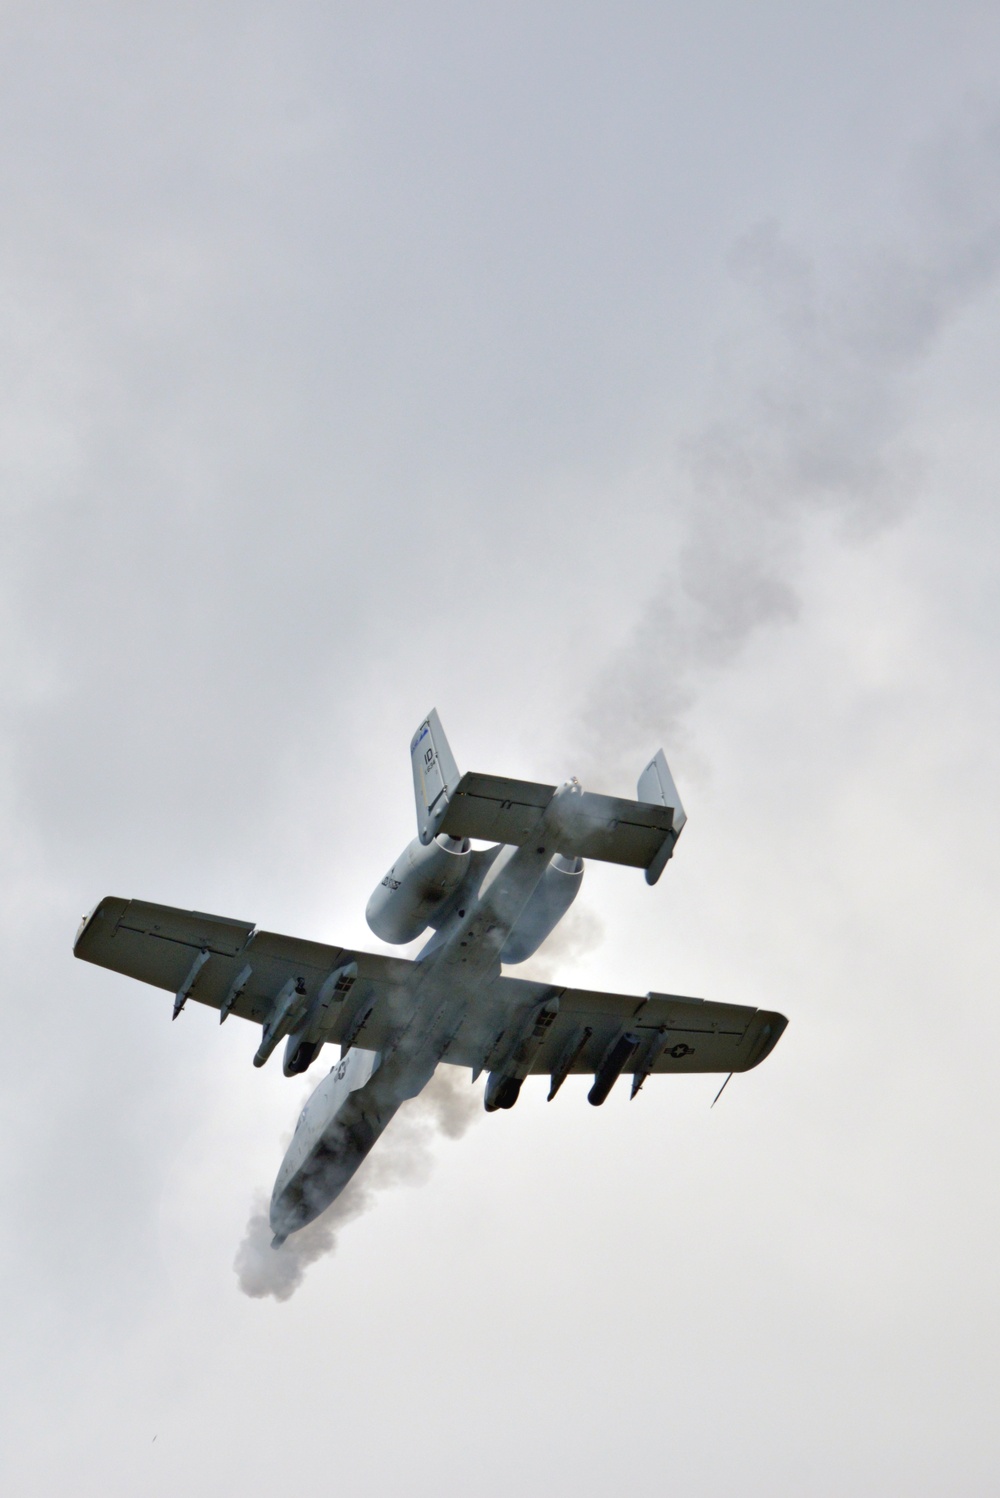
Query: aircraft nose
{"points": [[288, 1213]]}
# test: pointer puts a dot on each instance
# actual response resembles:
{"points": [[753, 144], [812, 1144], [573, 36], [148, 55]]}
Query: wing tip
{"points": [[89, 922], [771, 1032]]}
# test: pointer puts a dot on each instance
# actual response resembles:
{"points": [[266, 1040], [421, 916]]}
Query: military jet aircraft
{"points": [[395, 1020]]}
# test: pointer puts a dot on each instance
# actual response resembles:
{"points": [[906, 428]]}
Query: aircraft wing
{"points": [[225, 963], [673, 1033], [219, 960]]}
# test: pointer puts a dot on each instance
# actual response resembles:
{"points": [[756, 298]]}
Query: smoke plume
{"points": [[579, 933], [811, 415], [402, 1157]]}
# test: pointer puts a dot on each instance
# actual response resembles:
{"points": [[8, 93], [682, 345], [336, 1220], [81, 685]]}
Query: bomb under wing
{"points": [[485, 909]]}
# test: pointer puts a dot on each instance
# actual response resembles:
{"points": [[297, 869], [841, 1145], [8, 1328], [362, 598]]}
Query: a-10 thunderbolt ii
{"points": [[395, 1020]]}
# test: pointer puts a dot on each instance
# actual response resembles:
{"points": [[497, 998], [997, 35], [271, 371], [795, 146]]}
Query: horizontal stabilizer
{"points": [[499, 810], [496, 809]]}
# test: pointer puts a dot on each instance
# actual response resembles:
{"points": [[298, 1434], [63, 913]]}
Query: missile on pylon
{"points": [[616, 1058]]}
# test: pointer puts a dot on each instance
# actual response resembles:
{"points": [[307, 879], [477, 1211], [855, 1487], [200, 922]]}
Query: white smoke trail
{"points": [[809, 416], [579, 933], [402, 1157]]}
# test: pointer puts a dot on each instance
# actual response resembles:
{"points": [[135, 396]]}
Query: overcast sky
{"points": [[605, 376]]}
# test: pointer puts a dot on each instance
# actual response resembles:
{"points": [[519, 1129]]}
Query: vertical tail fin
{"points": [[435, 775], [656, 787]]}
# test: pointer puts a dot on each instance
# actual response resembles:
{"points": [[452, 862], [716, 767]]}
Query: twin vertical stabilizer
{"points": [[656, 788], [435, 775]]}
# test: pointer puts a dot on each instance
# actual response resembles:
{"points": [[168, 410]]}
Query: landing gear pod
{"points": [[416, 887], [501, 1092], [299, 1055], [503, 1087]]}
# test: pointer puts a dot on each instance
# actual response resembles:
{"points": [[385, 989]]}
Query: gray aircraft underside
{"points": [[394, 1019]]}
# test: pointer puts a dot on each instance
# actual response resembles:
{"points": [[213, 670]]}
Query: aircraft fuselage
{"points": [[351, 1107]]}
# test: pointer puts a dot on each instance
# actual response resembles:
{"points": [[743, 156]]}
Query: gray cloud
{"points": [[578, 934], [552, 369]]}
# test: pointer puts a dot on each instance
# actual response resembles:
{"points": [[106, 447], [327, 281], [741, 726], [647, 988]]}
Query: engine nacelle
{"points": [[552, 897], [416, 886]]}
